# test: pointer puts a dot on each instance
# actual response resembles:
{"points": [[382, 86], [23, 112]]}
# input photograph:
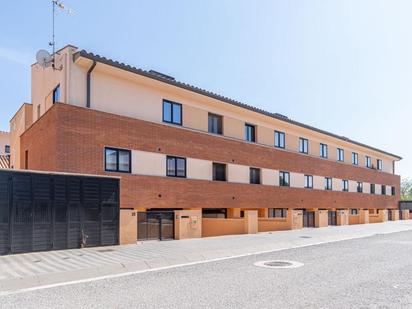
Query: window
{"points": [[359, 187], [38, 111], [345, 185], [175, 167], [383, 190], [215, 124], [354, 212], [277, 212], [323, 150], [172, 112], [254, 175], [372, 188], [250, 132], [7, 149], [303, 145], [219, 172], [279, 139], [379, 164], [368, 162], [393, 190], [56, 94], [26, 159], [308, 181], [340, 154], [214, 213], [328, 183], [355, 158], [117, 160], [284, 179]]}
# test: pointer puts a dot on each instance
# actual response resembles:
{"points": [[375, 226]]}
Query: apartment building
{"points": [[221, 166], [4, 150]]}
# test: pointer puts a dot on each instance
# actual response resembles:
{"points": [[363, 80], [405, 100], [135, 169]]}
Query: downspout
{"points": [[89, 72]]}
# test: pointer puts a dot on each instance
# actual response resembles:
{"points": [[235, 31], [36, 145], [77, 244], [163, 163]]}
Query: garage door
{"points": [[47, 211]]}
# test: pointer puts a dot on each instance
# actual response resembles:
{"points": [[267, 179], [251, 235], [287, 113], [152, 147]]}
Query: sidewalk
{"points": [[45, 268]]}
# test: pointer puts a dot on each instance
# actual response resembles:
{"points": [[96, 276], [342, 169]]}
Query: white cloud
{"points": [[17, 56]]}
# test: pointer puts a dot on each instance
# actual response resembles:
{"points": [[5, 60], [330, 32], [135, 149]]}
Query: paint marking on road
{"points": [[73, 282]]}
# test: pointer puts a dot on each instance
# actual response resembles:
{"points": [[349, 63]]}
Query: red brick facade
{"points": [[72, 139]]}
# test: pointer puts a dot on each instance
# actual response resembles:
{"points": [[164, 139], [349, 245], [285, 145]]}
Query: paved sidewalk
{"points": [[45, 268]]}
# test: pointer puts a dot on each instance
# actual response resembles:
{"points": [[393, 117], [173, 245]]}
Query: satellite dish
{"points": [[44, 59]]}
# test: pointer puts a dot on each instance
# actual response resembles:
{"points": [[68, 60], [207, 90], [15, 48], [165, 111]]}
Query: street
{"points": [[370, 272]]}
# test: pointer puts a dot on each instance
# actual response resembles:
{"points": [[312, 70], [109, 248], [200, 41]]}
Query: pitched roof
{"points": [[4, 161], [171, 81]]}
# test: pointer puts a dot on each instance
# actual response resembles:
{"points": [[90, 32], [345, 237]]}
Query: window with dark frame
{"points": [[214, 213], [372, 188], [379, 164], [172, 112], [345, 185], [219, 172], [303, 145], [328, 183], [359, 187], [215, 124], [383, 190], [308, 181], [368, 162], [284, 179], [393, 190], [250, 132], [117, 160], [277, 212], [56, 94], [254, 174], [175, 167], [354, 212], [323, 150], [279, 139], [355, 158], [340, 154], [7, 148]]}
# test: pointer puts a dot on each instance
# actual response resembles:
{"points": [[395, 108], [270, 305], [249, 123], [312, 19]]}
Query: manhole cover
{"points": [[278, 264], [305, 237], [105, 250]]}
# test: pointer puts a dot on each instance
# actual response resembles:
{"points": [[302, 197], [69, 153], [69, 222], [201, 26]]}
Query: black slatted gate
{"points": [[41, 212], [155, 225], [308, 219], [332, 217]]}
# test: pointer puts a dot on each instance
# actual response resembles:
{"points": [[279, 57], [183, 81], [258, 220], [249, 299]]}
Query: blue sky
{"points": [[344, 66]]}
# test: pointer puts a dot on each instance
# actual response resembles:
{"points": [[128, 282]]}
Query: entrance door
{"points": [[155, 225], [331, 217], [308, 219], [389, 215]]}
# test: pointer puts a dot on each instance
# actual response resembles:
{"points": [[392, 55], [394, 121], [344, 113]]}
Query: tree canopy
{"points": [[406, 189]]}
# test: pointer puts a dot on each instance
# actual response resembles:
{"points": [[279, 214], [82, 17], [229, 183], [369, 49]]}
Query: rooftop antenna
{"points": [[61, 6]]}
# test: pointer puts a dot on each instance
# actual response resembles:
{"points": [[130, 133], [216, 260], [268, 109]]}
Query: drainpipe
{"points": [[89, 72]]}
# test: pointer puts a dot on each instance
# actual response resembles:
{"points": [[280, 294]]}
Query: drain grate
{"points": [[278, 264]]}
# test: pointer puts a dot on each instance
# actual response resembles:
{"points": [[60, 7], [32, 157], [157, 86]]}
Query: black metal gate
{"points": [[155, 225], [332, 217], [50, 211], [308, 218], [389, 215]]}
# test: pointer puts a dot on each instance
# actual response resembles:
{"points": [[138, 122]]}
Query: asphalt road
{"points": [[374, 272]]}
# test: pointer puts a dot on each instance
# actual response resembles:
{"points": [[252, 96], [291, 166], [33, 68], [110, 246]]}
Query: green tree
{"points": [[406, 189]]}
